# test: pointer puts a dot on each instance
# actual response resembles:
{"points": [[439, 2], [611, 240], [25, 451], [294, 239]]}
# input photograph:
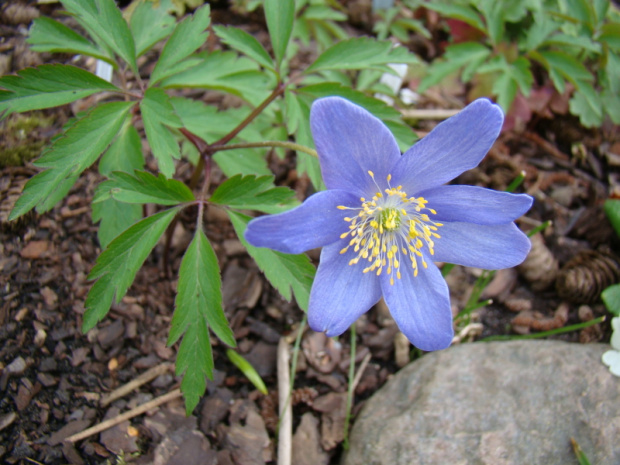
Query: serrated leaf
{"points": [[198, 306], [103, 20], [48, 86], [159, 116], [71, 154], [569, 67], [48, 35], [253, 193], [280, 16], [580, 42], [289, 274], [587, 104], [248, 370], [611, 103], [227, 72], [125, 153], [245, 43], [150, 24], [143, 187], [114, 217], [360, 53], [117, 265], [188, 35]]}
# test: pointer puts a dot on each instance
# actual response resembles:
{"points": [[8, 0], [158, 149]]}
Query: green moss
{"points": [[22, 138]]}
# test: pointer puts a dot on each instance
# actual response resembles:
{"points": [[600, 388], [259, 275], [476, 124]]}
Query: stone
{"points": [[499, 403]]}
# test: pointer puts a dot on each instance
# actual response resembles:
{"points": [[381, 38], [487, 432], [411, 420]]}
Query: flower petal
{"points": [[491, 247], [420, 306], [453, 146], [350, 142], [341, 293], [315, 223], [473, 204]]}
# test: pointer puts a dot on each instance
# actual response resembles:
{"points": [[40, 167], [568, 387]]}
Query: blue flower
{"points": [[385, 218]]}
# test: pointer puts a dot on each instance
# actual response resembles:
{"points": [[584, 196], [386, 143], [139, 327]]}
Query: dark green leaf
{"points": [[610, 34], [360, 53], [48, 86], [254, 193], [103, 20], [114, 217], [569, 67], [188, 35], [71, 154], [227, 72], [159, 116], [245, 43], [612, 210], [143, 187], [48, 35], [280, 15], [117, 265], [198, 306], [150, 24], [285, 272]]}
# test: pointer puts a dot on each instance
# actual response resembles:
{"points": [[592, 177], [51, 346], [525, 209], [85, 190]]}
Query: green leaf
{"points": [[124, 154], [588, 105], [114, 217], [143, 187], [159, 116], [248, 370], [612, 210], [289, 274], [611, 103], [464, 13], [188, 35], [467, 55], [360, 53], [117, 265], [280, 15], [580, 42], [150, 24], [103, 20], [71, 154], [293, 111], [48, 35], [611, 298], [610, 34], [245, 43], [569, 67], [48, 86], [198, 306], [227, 72], [253, 193]]}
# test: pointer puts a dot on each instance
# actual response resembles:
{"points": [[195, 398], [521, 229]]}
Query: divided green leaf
{"points": [[71, 154], [48, 86], [188, 35], [253, 193], [198, 306], [117, 265], [245, 43], [104, 22], [280, 15], [48, 35], [114, 217], [289, 274], [150, 23], [143, 187], [159, 116], [360, 53]]}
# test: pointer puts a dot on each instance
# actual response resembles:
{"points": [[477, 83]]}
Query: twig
{"points": [[360, 371], [125, 416], [428, 113], [285, 432], [135, 383]]}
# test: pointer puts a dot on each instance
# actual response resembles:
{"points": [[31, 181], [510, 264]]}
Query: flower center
{"points": [[390, 228]]}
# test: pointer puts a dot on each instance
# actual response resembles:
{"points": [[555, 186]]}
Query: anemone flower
{"points": [[385, 217]]}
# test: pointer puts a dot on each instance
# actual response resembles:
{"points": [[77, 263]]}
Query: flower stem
{"points": [[347, 416], [267, 143]]}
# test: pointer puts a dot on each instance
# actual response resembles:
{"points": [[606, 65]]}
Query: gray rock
{"points": [[498, 403]]}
